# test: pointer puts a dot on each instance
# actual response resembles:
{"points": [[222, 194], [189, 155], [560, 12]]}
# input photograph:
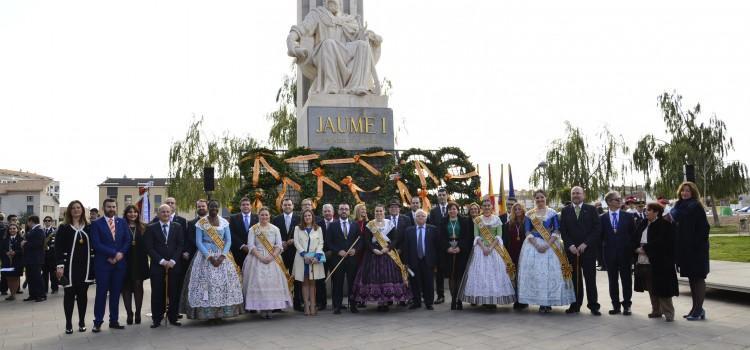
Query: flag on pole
{"points": [[144, 206], [501, 204], [491, 191], [511, 191]]}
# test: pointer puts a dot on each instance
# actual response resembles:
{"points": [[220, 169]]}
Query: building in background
{"points": [[24, 193], [125, 191]]}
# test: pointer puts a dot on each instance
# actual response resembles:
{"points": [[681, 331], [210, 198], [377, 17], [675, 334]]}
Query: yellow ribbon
{"points": [[510, 268], [565, 268], [421, 169], [357, 159], [259, 159], [320, 174], [300, 159], [403, 191], [348, 181]]}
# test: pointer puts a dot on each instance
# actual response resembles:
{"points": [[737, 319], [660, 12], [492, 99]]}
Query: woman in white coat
{"points": [[308, 263]]}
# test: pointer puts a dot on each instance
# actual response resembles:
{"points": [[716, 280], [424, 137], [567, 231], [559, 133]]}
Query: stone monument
{"points": [[337, 83]]}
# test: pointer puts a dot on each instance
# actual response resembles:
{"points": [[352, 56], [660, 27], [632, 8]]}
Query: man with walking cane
{"points": [[164, 242], [581, 234], [343, 240]]}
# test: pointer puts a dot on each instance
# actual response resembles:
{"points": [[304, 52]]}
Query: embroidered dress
{"points": [[264, 285], [540, 280], [379, 279], [211, 292], [486, 280]]}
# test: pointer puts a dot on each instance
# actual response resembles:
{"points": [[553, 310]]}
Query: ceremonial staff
{"points": [[342, 259]]}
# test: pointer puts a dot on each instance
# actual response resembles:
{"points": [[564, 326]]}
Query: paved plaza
{"points": [[41, 326]]}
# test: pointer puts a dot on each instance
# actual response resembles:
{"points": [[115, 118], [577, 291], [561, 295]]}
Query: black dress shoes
{"points": [[175, 323], [337, 311], [614, 312], [116, 325], [626, 311], [129, 320], [572, 310], [97, 328], [596, 313], [353, 310], [155, 325], [439, 300], [30, 299]]}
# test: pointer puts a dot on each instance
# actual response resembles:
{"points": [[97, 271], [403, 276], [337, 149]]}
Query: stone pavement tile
{"points": [[717, 345], [466, 340], [434, 345]]}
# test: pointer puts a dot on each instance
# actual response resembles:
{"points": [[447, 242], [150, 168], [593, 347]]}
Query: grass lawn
{"points": [[726, 228], [730, 248]]}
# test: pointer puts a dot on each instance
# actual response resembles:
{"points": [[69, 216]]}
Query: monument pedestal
{"points": [[348, 121]]}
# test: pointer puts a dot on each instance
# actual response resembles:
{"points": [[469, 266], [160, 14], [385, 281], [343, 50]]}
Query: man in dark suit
{"points": [[164, 241], [414, 205], [49, 275], [286, 222], [321, 292], [33, 258], [421, 247], [111, 238], [618, 229], [173, 217], [239, 225], [401, 222], [342, 234], [581, 232], [190, 247], [437, 215]]}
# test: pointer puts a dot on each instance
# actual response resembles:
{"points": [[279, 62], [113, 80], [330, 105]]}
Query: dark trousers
{"points": [[421, 284], [586, 271], [159, 295], [77, 293], [34, 278], [620, 269], [320, 293], [3, 285], [109, 280], [346, 271], [49, 276], [440, 282]]}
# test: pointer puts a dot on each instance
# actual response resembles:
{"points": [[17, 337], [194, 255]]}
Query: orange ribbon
{"points": [[449, 176], [320, 174], [300, 159], [259, 159], [426, 205], [348, 181], [421, 169], [285, 183], [257, 203], [357, 159], [403, 191]]}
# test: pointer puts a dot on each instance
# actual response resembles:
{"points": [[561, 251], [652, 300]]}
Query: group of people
{"points": [[210, 267]]}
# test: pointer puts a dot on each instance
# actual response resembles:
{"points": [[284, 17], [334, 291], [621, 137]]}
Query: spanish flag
{"points": [[491, 193], [502, 204]]}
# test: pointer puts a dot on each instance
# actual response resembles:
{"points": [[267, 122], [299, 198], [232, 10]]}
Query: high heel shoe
{"points": [[69, 331], [697, 316], [129, 321], [137, 318]]}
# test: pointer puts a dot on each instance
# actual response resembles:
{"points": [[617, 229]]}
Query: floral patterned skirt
{"points": [[211, 292], [379, 280]]}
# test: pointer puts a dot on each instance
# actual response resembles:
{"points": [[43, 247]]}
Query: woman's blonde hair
{"points": [[357, 217], [693, 190]]}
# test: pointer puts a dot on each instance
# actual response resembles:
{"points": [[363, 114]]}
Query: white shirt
{"points": [[166, 237], [424, 233], [288, 220]]}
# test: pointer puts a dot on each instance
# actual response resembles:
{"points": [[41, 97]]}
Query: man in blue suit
{"points": [[111, 238], [618, 228]]}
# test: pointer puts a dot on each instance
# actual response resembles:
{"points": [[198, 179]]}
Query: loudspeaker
{"points": [[208, 179], [690, 173]]}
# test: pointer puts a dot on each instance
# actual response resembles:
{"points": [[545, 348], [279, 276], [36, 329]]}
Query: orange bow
{"points": [[257, 203], [403, 191], [348, 181], [300, 159], [357, 159], [285, 183], [449, 176], [421, 169], [259, 159], [320, 174]]}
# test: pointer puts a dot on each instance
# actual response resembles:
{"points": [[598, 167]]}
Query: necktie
{"points": [[247, 223], [395, 220], [614, 221], [578, 211], [420, 245], [111, 222], [164, 231], [345, 228], [287, 221], [442, 210]]}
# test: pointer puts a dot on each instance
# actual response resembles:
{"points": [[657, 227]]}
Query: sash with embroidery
{"points": [[214, 235], [269, 247], [566, 269], [510, 268], [391, 252]]}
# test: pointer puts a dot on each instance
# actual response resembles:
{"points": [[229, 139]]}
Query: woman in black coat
{"points": [[11, 255], [659, 247], [689, 217], [137, 268], [75, 263], [456, 236]]}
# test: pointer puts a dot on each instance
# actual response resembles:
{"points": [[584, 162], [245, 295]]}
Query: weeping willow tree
{"points": [[572, 161], [188, 157], [690, 141]]}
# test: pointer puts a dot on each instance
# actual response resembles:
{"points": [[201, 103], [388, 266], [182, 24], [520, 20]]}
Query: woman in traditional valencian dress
{"points": [[75, 264], [487, 280], [266, 280], [382, 278], [308, 263], [544, 275], [214, 288]]}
